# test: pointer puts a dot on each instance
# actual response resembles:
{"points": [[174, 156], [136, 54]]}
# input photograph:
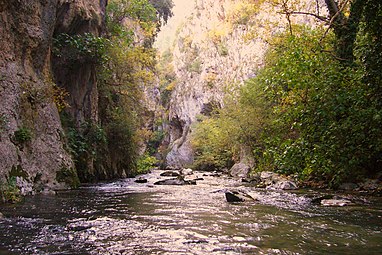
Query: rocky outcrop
{"points": [[31, 137], [32, 143], [219, 46], [77, 75]]}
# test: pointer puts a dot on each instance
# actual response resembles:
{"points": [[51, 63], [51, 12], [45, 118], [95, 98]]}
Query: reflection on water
{"points": [[128, 218]]}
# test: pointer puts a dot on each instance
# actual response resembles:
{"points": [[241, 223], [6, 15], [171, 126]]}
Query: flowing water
{"points": [[124, 217]]}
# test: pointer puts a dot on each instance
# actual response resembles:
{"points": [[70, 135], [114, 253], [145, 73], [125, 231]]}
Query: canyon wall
{"points": [[221, 44], [32, 142]]}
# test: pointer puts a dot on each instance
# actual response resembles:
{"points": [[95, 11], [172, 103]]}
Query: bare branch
{"points": [[322, 18], [339, 11]]}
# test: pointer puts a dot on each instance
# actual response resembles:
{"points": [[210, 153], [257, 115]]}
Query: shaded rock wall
{"points": [[31, 137], [32, 143]]}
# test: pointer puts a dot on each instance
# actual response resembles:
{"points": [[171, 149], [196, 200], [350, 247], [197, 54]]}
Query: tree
{"points": [[164, 9]]}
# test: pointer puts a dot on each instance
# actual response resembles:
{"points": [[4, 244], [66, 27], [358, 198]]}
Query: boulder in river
{"points": [[1, 215], [140, 180], [233, 196], [175, 181], [186, 171], [170, 173], [283, 185], [240, 170]]}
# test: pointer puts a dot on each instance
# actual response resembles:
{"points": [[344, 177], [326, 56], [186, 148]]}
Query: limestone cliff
{"points": [[32, 143], [221, 44]]}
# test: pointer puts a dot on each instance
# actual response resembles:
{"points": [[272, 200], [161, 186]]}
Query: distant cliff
{"points": [[221, 44]]}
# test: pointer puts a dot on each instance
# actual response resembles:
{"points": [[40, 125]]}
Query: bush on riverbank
{"points": [[306, 113]]}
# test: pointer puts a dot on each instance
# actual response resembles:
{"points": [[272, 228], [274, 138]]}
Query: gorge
{"points": [[254, 129]]}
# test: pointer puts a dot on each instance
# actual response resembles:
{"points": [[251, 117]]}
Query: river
{"points": [[124, 217]]}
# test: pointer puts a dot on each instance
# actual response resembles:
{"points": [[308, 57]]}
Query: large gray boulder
{"points": [[240, 170]]}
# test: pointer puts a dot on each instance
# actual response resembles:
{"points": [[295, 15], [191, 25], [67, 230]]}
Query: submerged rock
{"points": [[336, 202], [140, 180], [175, 181]]}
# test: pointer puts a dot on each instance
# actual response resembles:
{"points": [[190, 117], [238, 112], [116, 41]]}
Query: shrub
{"points": [[9, 191], [145, 163], [22, 135]]}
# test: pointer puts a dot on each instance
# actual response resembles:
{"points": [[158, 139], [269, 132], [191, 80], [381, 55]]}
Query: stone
{"points": [[348, 186], [240, 170], [251, 180], [175, 181], [170, 173], [140, 180], [284, 185], [186, 171], [336, 202], [370, 185], [237, 196], [48, 192], [1, 216]]}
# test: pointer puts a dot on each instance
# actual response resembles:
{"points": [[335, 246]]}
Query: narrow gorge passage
{"points": [[125, 217]]}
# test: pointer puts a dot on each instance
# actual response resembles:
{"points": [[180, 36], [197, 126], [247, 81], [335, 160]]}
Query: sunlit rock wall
{"points": [[221, 44]]}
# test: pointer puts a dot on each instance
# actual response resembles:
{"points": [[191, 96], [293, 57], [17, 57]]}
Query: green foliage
{"points": [[303, 114], [86, 139], [212, 143], [167, 76], [59, 97], [120, 133], [164, 9], [68, 176], [145, 163], [22, 135], [86, 47], [139, 10], [222, 49], [9, 191], [155, 141], [195, 66]]}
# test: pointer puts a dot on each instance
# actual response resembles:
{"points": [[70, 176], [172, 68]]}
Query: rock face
{"points": [[31, 137], [221, 44], [240, 170]]}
